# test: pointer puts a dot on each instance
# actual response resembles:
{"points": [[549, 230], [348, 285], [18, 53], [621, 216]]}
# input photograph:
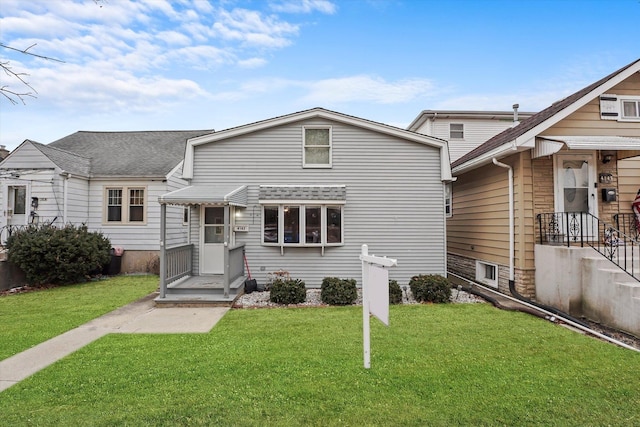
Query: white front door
{"points": [[575, 178], [16, 207], [212, 238]]}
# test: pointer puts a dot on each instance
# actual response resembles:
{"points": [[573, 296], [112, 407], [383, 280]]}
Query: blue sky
{"points": [[156, 65]]}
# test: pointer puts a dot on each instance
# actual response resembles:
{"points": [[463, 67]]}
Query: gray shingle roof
{"points": [[69, 162], [277, 192], [531, 122], [126, 154]]}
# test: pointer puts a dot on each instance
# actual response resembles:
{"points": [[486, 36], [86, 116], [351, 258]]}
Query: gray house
{"points": [[300, 194], [109, 181]]}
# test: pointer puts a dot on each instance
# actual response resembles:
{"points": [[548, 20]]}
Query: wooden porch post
{"points": [[227, 238], [163, 238]]}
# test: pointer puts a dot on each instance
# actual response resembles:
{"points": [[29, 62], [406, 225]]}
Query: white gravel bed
{"points": [[261, 299]]}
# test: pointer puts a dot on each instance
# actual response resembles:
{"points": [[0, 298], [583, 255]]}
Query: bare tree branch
{"points": [[12, 95]]}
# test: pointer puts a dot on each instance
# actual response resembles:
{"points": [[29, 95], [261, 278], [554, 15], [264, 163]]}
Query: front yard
{"points": [[436, 365]]}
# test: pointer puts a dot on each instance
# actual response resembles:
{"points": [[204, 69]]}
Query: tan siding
{"points": [[586, 121], [628, 181]]}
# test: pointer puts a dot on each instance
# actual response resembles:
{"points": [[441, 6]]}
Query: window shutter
{"points": [[609, 107]]}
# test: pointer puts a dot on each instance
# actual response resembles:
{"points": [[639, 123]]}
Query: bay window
{"points": [[302, 225]]}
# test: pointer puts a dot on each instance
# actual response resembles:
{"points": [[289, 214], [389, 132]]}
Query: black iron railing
{"points": [[7, 230], [626, 223], [583, 229]]}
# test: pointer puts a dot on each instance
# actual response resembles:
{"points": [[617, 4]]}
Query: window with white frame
{"points": [[302, 225], [487, 273], [316, 150], [631, 109], [447, 200], [456, 131], [125, 205]]}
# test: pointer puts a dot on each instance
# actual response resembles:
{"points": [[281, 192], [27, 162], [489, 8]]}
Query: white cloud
{"points": [[253, 28], [367, 88], [304, 6]]}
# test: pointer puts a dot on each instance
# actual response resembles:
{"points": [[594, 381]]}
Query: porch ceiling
{"points": [[207, 195]]}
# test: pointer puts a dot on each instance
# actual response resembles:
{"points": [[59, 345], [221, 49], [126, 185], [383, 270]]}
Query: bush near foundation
{"points": [[430, 288], [335, 291], [395, 293], [58, 256], [291, 291]]}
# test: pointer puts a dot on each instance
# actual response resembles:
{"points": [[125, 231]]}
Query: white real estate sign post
{"points": [[375, 294]]}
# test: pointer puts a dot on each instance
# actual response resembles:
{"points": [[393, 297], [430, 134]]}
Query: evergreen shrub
{"points": [[288, 291], [395, 293], [58, 256], [335, 291], [430, 288]]}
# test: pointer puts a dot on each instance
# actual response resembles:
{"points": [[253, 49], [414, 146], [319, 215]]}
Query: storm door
{"points": [[212, 238], [575, 193]]}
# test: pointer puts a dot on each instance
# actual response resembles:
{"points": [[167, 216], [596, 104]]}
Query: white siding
{"points": [[77, 200], [476, 132], [26, 156], [395, 199]]}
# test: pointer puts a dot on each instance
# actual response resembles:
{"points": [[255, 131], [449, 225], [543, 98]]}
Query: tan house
{"points": [[543, 209]]}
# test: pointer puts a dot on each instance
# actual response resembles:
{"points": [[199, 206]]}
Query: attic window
{"points": [[456, 131], [316, 150], [630, 109]]}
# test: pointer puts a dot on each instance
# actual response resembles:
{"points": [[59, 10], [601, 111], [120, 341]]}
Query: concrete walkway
{"points": [[138, 317]]}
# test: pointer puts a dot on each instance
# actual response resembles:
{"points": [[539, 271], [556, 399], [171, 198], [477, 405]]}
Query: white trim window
{"points": [[630, 109], [125, 205], [302, 225], [448, 200], [487, 273], [456, 130], [316, 146]]}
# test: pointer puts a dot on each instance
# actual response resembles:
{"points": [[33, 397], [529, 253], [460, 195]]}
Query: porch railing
{"points": [[6, 232], [626, 222], [583, 229], [178, 262], [236, 262]]}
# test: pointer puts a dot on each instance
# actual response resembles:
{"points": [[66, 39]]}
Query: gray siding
{"points": [[395, 201], [130, 236], [177, 233]]}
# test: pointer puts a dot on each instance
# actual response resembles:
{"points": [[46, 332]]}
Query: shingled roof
{"points": [[122, 154], [528, 124]]}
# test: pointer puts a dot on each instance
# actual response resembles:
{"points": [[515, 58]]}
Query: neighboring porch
{"points": [[220, 274], [589, 268]]}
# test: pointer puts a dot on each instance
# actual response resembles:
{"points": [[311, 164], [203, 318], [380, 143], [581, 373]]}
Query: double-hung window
{"points": [[316, 147], [125, 205], [631, 109], [302, 225], [456, 130]]}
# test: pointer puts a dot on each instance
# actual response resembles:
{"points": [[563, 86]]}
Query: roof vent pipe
{"points": [[515, 114]]}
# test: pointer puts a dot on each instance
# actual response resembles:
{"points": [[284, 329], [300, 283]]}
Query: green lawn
{"points": [[436, 365], [30, 318]]}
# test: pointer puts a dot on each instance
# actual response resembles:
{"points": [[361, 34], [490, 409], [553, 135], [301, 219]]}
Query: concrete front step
{"points": [[196, 300]]}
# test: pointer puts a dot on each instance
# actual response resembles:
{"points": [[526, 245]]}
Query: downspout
{"points": [[511, 222], [65, 198]]}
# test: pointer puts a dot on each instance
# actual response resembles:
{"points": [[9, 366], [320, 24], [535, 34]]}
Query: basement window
{"points": [[487, 273]]}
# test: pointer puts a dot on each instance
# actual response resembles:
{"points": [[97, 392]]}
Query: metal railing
{"points": [[178, 262], [626, 223], [6, 232], [583, 229]]}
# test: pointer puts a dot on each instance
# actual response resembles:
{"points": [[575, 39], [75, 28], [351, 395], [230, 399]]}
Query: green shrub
{"points": [[430, 288], [58, 256], [291, 291], [335, 291], [395, 293]]}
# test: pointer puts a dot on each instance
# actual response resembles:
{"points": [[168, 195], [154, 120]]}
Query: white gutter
{"points": [[511, 218]]}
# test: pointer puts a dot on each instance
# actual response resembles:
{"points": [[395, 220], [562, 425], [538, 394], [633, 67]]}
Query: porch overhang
{"points": [[547, 145], [218, 195]]}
